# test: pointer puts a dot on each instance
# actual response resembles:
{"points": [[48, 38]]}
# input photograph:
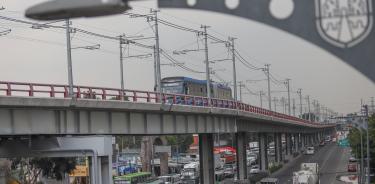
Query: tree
{"points": [[355, 142], [29, 169]]}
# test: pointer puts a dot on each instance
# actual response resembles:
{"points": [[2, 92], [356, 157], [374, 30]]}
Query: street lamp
{"points": [[58, 9]]}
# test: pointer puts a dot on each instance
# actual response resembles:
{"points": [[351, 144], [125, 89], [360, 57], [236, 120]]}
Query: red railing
{"points": [[87, 92]]}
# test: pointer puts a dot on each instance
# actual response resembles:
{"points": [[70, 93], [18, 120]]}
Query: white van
{"points": [[310, 151]]}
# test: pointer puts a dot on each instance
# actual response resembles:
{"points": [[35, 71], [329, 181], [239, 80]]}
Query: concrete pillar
{"points": [[278, 147], [288, 144], [295, 143], [241, 140], [206, 159], [263, 157], [303, 141], [106, 169]]}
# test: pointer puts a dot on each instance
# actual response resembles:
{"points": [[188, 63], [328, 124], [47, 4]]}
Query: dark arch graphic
{"points": [[321, 22]]}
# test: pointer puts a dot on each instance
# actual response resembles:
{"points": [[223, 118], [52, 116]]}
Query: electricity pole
{"points": [[122, 67], [157, 48], [69, 56], [300, 101], [308, 106], [207, 65], [261, 99], [368, 144], [274, 103], [241, 86], [267, 71], [287, 82], [234, 69], [294, 107]]}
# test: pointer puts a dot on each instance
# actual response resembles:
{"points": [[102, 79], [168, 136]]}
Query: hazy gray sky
{"points": [[33, 55]]}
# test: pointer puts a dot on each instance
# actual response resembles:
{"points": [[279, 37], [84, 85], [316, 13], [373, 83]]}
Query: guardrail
{"points": [[88, 92]]}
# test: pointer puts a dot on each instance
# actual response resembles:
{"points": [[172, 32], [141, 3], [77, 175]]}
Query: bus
{"points": [[193, 87], [133, 178]]}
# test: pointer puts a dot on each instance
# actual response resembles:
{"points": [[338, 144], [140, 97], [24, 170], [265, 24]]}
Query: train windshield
{"points": [[172, 87]]}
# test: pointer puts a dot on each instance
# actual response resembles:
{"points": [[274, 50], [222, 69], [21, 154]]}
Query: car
{"points": [[255, 169], [269, 181], [310, 151], [352, 167], [352, 159], [322, 143]]}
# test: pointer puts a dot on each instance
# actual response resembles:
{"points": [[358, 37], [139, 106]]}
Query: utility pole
{"points": [[274, 103], [157, 48], [122, 67], [261, 98], [241, 86], [69, 56], [207, 65], [267, 71], [287, 82], [283, 104], [368, 144], [234, 69], [308, 106], [294, 107], [300, 101], [155, 69]]}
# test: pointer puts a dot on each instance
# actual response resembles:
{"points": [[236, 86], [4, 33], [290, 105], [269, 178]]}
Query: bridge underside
{"points": [[35, 116]]}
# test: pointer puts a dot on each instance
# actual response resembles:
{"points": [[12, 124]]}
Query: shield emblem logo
{"points": [[344, 23]]}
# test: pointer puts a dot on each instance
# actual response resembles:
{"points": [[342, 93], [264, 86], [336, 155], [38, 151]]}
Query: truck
{"points": [[309, 174]]}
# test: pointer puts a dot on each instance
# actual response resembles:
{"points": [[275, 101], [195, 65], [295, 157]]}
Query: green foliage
{"points": [[181, 141], [355, 141], [29, 169], [273, 168]]}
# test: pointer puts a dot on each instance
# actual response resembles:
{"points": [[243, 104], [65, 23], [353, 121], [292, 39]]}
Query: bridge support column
{"points": [[206, 159], [295, 143], [288, 144], [278, 148], [263, 157], [106, 169], [241, 140], [303, 141]]}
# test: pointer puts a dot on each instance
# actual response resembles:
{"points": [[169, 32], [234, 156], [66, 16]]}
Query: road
{"points": [[332, 161]]}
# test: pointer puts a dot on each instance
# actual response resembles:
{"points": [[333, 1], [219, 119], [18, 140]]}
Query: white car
{"points": [[255, 169], [310, 151]]}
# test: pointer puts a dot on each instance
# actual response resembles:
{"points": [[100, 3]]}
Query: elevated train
{"points": [[193, 87]]}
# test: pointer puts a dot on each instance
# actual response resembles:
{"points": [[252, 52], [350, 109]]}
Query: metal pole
{"points": [[368, 145], [260, 97], [234, 69], [288, 86], [294, 107], [300, 101], [155, 70], [362, 162], [267, 70], [69, 55], [308, 105], [274, 103], [158, 79], [122, 68], [207, 65], [241, 86]]}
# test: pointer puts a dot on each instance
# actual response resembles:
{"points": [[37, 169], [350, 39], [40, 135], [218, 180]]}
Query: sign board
{"points": [[162, 149], [80, 171]]}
